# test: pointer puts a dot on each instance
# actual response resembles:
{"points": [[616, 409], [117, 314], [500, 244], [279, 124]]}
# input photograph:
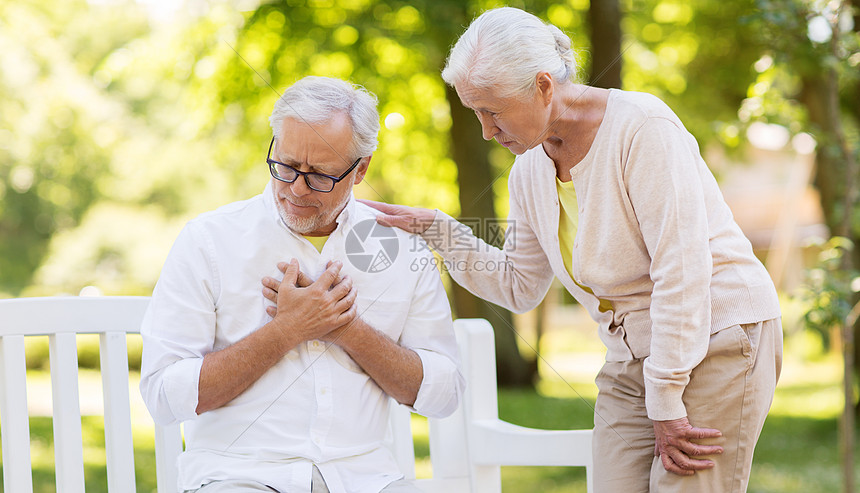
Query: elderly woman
{"points": [[610, 194]]}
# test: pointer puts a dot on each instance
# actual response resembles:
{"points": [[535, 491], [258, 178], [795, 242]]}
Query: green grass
{"points": [[797, 454], [95, 472]]}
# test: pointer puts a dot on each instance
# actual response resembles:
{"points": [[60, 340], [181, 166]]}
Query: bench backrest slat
{"points": [[68, 444], [14, 420], [119, 448]]}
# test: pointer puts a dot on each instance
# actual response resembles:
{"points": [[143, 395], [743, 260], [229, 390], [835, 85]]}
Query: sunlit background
{"points": [[121, 120]]}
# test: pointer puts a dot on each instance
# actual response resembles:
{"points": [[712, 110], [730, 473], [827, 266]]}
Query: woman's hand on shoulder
{"points": [[414, 220]]}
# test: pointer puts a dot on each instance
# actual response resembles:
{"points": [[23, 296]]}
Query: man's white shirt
{"points": [[316, 405]]}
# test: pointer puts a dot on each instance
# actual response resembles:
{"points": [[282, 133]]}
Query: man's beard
{"points": [[305, 225]]}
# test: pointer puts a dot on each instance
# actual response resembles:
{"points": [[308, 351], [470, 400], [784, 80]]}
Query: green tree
{"points": [[696, 56], [58, 126]]}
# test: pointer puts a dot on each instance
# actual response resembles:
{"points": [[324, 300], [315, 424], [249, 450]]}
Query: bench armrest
{"points": [[498, 442]]}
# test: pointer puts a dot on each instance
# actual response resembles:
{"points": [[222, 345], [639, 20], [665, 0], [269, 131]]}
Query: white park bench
{"points": [[466, 449]]}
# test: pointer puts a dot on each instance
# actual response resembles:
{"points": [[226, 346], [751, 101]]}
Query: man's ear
{"points": [[361, 169]]}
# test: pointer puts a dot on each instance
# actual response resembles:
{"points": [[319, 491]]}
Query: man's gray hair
{"points": [[317, 99], [505, 48]]}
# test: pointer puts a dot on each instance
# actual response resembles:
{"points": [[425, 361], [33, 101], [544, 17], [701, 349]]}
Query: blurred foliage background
{"points": [[122, 119]]}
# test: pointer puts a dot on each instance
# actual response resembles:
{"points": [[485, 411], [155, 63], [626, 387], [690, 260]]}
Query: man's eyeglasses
{"points": [[314, 181]]}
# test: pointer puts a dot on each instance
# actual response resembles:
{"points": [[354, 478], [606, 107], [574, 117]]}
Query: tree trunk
{"points": [[475, 178], [604, 17], [832, 170]]}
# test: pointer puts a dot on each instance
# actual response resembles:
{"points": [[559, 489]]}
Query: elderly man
{"points": [[287, 390]]}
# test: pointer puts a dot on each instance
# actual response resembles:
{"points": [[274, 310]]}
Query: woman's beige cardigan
{"points": [[655, 238]]}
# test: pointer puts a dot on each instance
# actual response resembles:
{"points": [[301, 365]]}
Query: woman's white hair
{"points": [[505, 48], [317, 99]]}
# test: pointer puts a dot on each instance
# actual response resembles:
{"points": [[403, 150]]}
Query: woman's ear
{"points": [[544, 85]]}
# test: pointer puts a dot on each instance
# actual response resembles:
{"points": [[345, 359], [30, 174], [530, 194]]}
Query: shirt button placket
{"points": [[321, 423]]}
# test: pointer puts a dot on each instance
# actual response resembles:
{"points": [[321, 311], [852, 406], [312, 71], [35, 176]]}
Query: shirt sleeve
{"points": [[429, 331], [663, 177], [178, 329]]}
